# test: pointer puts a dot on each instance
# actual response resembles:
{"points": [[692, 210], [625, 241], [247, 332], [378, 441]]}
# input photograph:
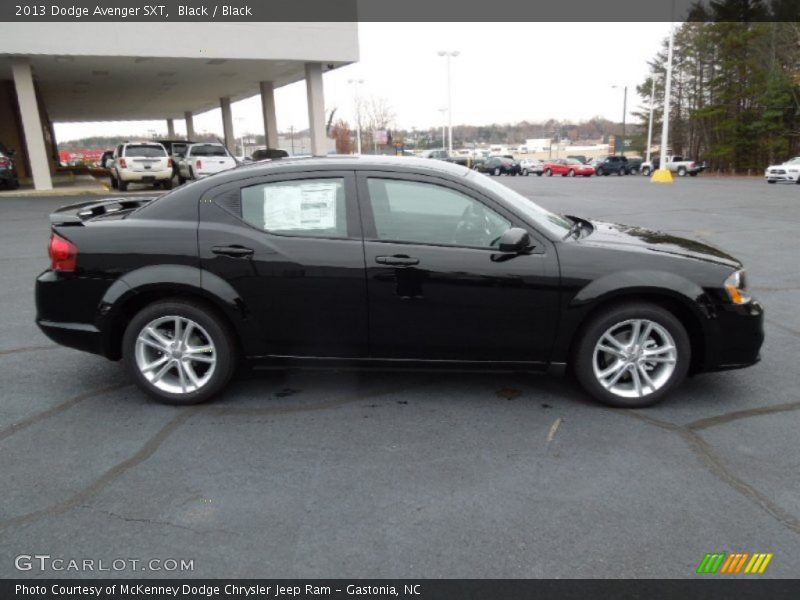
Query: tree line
{"points": [[735, 97]]}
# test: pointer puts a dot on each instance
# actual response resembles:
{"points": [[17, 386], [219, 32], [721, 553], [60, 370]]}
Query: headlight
{"points": [[735, 285]]}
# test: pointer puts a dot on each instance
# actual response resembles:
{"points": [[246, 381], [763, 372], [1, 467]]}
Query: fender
{"points": [[165, 280], [663, 284]]}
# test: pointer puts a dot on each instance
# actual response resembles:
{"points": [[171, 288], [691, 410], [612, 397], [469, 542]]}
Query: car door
{"points": [[437, 287], [291, 249]]}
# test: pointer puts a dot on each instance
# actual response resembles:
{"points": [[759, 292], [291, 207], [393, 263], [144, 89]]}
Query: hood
{"points": [[614, 234]]}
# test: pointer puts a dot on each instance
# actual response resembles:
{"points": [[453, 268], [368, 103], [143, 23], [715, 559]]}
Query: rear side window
{"points": [[208, 150], [302, 208], [146, 151]]}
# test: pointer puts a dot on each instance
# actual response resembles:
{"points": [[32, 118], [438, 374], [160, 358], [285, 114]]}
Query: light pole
{"points": [[444, 138], [663, 174], [650, 124], [448, 56], [240, 120], [624, 114], [356, 111]]}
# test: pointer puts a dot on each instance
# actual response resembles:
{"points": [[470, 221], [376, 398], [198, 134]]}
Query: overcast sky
{"points": [[505, 72]]}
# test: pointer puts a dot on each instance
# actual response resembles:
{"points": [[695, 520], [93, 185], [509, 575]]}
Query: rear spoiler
{"points": [[76, 214]]}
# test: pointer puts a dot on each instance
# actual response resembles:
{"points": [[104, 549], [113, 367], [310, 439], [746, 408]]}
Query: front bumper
{"points": [[738, 336]]}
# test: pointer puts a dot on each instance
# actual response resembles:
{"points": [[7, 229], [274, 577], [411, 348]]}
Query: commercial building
{"points": [[62, 72]]}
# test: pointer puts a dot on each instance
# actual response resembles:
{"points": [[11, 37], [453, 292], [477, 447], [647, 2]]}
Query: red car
{"points": [[567, 167]]}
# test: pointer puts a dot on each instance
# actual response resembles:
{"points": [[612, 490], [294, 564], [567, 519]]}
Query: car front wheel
{"points": [[632, 355], [179, 352], [497, 172]]}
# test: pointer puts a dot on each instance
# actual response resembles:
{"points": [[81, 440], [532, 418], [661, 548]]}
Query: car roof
{"points": [[347, 162]]}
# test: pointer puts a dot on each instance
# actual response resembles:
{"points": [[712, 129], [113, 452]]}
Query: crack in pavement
{"points": [[741, 414], [10, 430], [145, 452], [707, 457], [154, 443], [28, 349], [156, 522]]}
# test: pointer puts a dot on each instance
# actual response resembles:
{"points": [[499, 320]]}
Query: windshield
{"points": [[209, 150], [552, 223]]}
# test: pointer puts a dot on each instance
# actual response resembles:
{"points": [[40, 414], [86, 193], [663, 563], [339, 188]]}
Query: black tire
{"points": [[167, 184], [13, 184], [540, 173], [797, 181], [571, 173], [621, 172], [772, 181], [207, 318], [525, 172], [496, 172], [548, 172], [681, 171], [602, 322], [646, 171], [122, 186], [181, 179], [114, 182], [694, 174]]}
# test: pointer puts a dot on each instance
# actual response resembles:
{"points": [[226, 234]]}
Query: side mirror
{"points": [[514, 240]]}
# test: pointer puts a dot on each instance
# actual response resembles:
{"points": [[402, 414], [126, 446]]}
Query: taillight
{"points": [[4, 162], [198, 163], [63, 254], [169, 163], [123, 163], [691, 165]]}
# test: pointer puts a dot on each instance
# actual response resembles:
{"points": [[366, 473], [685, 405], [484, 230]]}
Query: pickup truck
{"points": [[676, 164], [464, 161], [204, 159]]}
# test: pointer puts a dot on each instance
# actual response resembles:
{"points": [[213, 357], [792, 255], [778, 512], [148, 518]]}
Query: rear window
{"points": [[208, 150], [146, 151]]}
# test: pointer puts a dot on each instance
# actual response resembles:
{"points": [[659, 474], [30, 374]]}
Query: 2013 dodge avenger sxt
{"points": [[386, 262]]}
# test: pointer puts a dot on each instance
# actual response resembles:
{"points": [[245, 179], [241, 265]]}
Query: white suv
{"points": [[141, 162], [204, 159], [788, 171]]}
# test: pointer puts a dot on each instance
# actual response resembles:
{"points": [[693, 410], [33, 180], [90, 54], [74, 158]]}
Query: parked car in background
{"points": [[141, 162], [531, 165], [788, 171], [8, 168], [204, 159], [634, 165], [567, 167], [677, 164], [106, 160], [176, 150], [608, 165], [407, 262], [268, 154], [498, 165]]}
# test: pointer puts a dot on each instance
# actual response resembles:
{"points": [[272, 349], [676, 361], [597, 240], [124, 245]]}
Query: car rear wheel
{"points": [[571, 173], [179, 352], [167, 184], [681, 171], [631, 356], [496, 172], [122, 185], [548, 172], [621, 172], [525, 172], [114, 183]]}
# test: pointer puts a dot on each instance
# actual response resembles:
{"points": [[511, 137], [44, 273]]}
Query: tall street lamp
{"points": [[624, 115], [444, 140], [650, 123], [356, 111], [663, 174], [448, 55]]}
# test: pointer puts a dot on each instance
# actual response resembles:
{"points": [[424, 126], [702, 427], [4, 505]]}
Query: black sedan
{"points": [[499, 165], [379, 262]]}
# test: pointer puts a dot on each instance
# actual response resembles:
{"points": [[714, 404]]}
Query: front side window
{"points": [[425, 213], [302, 208]]}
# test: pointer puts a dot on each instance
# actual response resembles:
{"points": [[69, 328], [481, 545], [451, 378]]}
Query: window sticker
{"points": [[306, 206]]}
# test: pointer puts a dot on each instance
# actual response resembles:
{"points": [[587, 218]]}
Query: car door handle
{"points": [[235, 251], [398, 260]]}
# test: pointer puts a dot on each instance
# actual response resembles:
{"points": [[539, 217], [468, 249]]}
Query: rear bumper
{"points": [[133, 176], [738, 337], [80, 336]]}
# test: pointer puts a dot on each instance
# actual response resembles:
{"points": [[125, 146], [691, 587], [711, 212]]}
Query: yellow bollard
{"points": [[661, 176]]}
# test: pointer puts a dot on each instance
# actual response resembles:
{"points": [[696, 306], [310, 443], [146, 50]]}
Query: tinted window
{"points": [[208, 150], [425, 213], [145, 151], [306, 208]]}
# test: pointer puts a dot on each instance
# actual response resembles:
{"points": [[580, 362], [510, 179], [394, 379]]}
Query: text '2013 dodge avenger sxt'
{"points": [[379, 262]]}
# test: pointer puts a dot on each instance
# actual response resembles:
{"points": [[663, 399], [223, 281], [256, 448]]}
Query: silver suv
{"points": [[141, 162]]}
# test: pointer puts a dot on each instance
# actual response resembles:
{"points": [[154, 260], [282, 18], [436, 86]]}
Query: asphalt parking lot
{"points": [[348, 474]]}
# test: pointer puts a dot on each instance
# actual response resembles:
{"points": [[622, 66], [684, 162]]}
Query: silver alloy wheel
{"points": [[175, 354], [634, 358]]}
